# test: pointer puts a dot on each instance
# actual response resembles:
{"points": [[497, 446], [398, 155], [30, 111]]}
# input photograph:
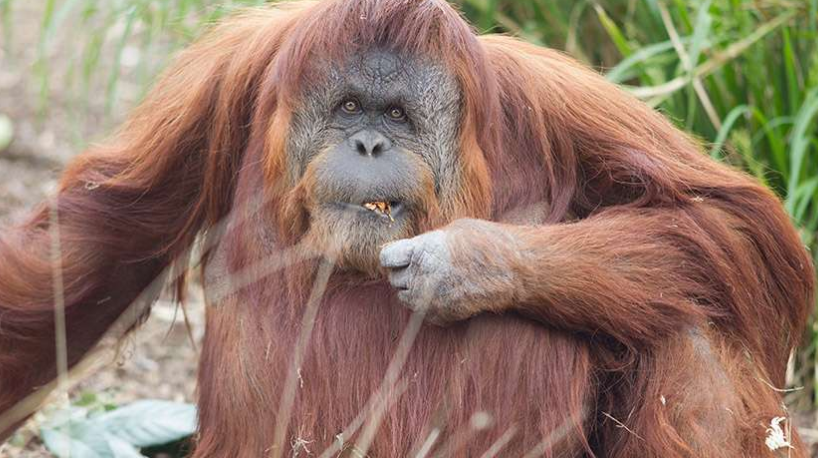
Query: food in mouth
{"points": [[381, 208]]}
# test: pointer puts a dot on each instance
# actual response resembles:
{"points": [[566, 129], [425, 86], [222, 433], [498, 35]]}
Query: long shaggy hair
{"points": [[297, 355]]}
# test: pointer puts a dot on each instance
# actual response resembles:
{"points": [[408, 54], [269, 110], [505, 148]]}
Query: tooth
{"points": [[380, 207]]}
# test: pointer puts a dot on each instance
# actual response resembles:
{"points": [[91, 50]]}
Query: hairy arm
{"points": [[128, 209], [622, 275], [634, 275], [93, 273]]}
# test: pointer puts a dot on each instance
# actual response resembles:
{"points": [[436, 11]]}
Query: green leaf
{"points": [[68, 433], [122, 449], [803, 195], [700, 32], [6, 132], [86, 399], [76, 433], [800, 143], [614, 33], [791, 71], [727, 125], [67, 444], [622, 70], [736, 49], [147, 423]]}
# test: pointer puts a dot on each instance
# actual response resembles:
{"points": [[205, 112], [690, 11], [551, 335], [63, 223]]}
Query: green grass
{"points": [[740, 74]]}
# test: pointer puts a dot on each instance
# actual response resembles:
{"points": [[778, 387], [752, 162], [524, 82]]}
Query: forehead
{"points": [[382, 75], [380, 67]]}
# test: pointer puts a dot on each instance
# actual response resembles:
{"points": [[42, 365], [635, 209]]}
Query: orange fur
{"points": [[660, 289]]}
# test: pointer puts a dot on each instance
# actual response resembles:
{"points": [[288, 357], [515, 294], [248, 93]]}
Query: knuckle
{"points": [[405, 297]]}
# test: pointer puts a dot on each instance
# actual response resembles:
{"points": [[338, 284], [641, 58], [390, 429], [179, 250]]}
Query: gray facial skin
{"points": [[368, 154], [379, 80]]}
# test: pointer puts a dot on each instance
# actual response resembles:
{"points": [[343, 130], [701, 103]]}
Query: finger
{"points": [[425, 288], [397, 254], [406, 298], [399, 278]]}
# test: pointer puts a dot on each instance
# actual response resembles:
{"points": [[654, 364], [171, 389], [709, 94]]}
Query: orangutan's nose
{"points": [[370, 143]]}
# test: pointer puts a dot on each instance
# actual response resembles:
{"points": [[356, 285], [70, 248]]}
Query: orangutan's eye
{"points": [[351, 106], [396, 114]]}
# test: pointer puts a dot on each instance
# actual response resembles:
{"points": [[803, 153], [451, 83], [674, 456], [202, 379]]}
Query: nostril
{"points": [[373, 149], [369, 143], [361, 147]]}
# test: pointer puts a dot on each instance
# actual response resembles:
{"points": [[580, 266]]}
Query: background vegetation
{"points": [[740, 74]]}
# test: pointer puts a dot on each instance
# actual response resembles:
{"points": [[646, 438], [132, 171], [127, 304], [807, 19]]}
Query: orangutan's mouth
{"points": [[380, 208], [387, 210]]}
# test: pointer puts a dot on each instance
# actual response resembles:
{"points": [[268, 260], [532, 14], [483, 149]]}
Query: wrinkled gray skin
{"points": [[367, 157], [429, 279], [379, 80]]}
